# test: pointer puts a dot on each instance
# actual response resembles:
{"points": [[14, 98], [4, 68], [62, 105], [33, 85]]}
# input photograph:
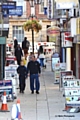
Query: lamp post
{"points": [[32, 5], [79, 7]]}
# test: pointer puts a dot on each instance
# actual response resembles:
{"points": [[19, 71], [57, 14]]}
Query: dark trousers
{"points": [[18, 61], [22, 83], [34, 80]]}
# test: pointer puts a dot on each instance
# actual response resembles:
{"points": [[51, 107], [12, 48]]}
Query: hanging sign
{"points": [[53, 31]]}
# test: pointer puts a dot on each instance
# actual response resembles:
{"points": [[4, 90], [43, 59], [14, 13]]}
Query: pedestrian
{"points": [[33, 68], [15, 43], [30, 56], [25, 46], [18, 54], [22, 71]]}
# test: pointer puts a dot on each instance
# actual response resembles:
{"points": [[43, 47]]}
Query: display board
{"points": [[58, 68], [6, 85], [11, 71], [72, 92], [62, 74]]}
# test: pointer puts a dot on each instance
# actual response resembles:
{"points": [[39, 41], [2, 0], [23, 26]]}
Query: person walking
{"points": [[41, 56], [15, 43], [18, 54], [22, 71], [33, 69], [25, 46]]}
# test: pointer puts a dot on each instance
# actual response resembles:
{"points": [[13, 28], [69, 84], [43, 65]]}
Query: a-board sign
{"points": [[11, 71], [64, 73], [6, 85], [72, 92]]}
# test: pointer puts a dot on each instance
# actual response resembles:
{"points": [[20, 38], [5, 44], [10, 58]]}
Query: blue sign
{"points": [[9, 5], [18, 11], [6, 85]]}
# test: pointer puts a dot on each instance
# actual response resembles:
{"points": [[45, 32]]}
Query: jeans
{"points": [[42, 62], [34, 80]]}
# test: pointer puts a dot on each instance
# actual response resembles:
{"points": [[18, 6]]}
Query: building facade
{"points": [[16, 22]]}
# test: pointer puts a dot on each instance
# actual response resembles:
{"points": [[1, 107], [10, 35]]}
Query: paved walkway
{"points": [[48, 105]]}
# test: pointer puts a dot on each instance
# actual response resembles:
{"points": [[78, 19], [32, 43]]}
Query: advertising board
{"points": [[62, 74], [6, 85], [72, 92]]}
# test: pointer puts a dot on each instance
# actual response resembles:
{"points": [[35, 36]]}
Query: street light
{"points": [[32, 5]]}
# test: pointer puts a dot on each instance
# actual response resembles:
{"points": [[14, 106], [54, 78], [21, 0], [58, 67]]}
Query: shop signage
{"points": [[9, 5], [67, 40], [53, 31], [64, 5], [18, 11]]}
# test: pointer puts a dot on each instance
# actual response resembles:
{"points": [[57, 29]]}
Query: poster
{"points": [[72, 92], [64, 73], [6, 85], [10, 71]]}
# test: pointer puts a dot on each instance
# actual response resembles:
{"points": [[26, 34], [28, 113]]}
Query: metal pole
{"points": [[33, 41]]}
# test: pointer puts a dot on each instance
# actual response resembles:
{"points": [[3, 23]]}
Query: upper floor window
{"points": [[18, 32]]}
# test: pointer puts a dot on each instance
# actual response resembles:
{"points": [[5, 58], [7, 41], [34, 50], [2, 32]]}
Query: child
{"points": [[22, 71]]}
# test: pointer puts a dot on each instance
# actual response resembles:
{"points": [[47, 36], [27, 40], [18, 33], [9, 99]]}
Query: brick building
{"points": [[16, 22]]}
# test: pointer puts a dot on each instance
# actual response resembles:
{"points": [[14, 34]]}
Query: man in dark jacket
{"points": [[25, 46], [15, 43], [18, 54], [22, 71], [34, 71]]}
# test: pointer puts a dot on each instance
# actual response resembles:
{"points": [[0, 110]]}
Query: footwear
{"points": [[22, 91], [37, 92], [32, 92]]}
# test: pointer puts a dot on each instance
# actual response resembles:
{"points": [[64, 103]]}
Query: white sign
{"points": [[64, 5], [54, 61], [11, 71], [72, 92]]}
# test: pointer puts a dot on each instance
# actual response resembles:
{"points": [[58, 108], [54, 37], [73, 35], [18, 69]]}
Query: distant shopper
{"points": [[22, 71], [41, 56], [18, 54], [25, 46], [34, 70], [30, 56], [15, 43]]}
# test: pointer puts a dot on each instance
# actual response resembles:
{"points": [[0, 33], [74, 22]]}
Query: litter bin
{"points": [[55, 58]]}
